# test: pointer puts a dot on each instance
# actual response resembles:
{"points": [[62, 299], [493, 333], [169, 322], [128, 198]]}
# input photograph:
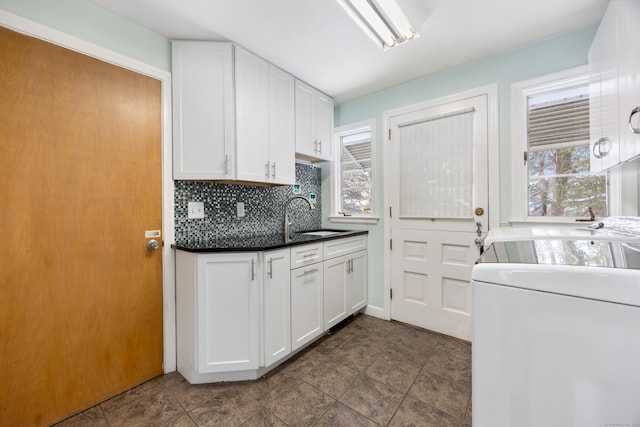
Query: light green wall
{"points": [[98, 26], [552, 55]]}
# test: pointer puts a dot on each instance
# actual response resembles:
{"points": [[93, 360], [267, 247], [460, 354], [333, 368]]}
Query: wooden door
{"points": [[439, 204], [80, 169]]}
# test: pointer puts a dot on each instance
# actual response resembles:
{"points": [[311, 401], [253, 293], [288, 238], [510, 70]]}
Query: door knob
{"points": [[152, 245], [479, 211]]}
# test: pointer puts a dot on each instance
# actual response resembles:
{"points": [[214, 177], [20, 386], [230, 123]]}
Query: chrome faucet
{"points": [[286, 214]]}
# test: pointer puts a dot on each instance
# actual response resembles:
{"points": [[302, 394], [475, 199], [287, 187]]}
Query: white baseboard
{"points": [[374, 311]]}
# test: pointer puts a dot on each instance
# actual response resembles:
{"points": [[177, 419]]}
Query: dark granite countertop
{"points": [[257, 243]]}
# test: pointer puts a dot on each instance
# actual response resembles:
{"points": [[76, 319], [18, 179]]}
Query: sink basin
{"points": [[322, 233]]}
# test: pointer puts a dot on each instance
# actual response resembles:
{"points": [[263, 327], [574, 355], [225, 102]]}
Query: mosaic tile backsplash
{"points": [[264, 208]]}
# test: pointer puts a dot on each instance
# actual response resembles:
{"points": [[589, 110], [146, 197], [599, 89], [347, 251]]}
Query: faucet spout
{"points": [[287, 238]]}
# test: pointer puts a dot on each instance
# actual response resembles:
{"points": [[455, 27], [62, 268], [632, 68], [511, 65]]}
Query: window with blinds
{"points": [[557, 157], [354, 174]]}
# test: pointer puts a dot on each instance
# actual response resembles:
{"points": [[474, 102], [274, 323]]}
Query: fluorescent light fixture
{"points": [[383, 20]]}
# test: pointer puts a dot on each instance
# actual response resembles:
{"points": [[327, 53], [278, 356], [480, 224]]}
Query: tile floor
{"points": [[368, 372]]}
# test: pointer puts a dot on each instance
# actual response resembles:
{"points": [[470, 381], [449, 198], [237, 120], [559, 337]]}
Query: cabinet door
{"points": [[306, 142], [252, 117], [203, 113], [336, 271], [356, 284], [603, 92], [282, 143], [306, 304], [276, 306], [323, 124], [629, 75], [227, 312]]}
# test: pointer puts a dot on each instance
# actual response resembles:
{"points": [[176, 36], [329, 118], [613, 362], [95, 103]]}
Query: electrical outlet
{"points": [[195, 210], [240, 209]]}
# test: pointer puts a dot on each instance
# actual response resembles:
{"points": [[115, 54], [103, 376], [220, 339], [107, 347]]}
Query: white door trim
{"points": [[493, 155], [34, 29]]}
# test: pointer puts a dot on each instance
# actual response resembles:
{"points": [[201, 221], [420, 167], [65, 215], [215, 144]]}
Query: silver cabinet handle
{"points": [[270, 264], [273, 170], [307, 272], [320, 146], [266, 169], [601, 148], [152, 245], [634, 112], [226, 164], [253, 269], [315, 142], [309, 255]]}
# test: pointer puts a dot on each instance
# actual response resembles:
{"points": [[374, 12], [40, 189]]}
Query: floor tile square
{"points": [[372, 399]]}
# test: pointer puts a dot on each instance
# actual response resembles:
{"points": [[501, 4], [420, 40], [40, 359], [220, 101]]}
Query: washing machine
{"points": [[556, 328]]}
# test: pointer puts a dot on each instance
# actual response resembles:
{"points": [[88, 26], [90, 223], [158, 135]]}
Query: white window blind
{"points": [[436, 158], [558, 121]]}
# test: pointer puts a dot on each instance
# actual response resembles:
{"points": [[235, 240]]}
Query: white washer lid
{"points": [[599, 283], [612, 228]]}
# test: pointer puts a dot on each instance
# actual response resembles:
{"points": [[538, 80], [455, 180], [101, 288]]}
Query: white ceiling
{"points": [[317, 42]]}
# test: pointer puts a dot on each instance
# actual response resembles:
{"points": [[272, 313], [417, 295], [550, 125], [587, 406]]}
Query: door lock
{"points": [[152, 245], [479, 211]]}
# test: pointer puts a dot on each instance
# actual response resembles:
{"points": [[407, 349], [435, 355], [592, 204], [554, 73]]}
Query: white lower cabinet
{"points": [[276, 305], [217, 313], [335, 291], [345, 281], [357, 282], [240, 314], [306, 304]]}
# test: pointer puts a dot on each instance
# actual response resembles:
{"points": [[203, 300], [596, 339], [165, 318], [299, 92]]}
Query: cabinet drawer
{"points": [[306, 255], [338, 247]]}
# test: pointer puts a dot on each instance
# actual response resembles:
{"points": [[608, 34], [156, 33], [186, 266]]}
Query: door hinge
{"points": [[390, 213], [390, 293], [390, 243], [526, 157], [389, 134]]}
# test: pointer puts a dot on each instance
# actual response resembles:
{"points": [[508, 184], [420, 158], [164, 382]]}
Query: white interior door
{"points": [[438, 186]]}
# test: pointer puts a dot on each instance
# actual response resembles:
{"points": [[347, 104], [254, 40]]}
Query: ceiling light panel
{"points": [[383, 20]]}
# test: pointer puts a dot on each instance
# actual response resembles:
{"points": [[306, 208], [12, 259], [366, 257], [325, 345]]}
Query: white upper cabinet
{"points": [[234, 115], [282, 142], [629, 80], [203, 111], [314, 123], [252, 117], [603, 96], [614, 70]]}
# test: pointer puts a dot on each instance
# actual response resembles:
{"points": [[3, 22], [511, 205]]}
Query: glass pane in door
{"points": [[436, 164]]}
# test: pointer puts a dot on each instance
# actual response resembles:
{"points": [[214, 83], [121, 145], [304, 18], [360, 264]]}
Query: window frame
{"points": [[336, 174], [520, 91]]}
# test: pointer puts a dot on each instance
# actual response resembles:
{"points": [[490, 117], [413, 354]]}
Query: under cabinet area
{"points": [[240, 314]]}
